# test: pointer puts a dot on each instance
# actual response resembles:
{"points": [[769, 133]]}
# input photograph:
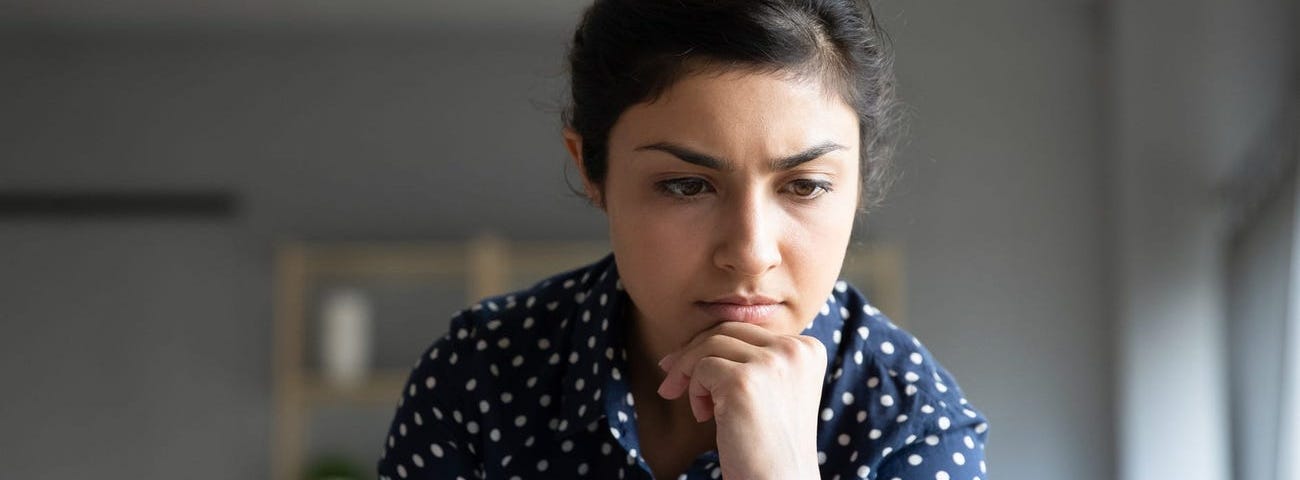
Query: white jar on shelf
{"points": [[346, 325]]}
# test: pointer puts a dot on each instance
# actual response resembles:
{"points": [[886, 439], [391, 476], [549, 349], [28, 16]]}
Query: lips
{"points": [[756, 309]]}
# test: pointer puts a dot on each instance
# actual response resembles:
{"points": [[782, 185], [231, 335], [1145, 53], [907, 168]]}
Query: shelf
{"points": [[381, 389]]}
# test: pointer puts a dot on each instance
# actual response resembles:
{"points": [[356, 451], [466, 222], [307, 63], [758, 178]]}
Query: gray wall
{"points": [[1000, 211], [1194, 86]]}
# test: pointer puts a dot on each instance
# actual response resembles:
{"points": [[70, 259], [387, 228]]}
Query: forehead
{"points": [[741, 114]]}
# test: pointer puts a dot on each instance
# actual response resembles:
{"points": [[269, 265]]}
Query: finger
{"points": [[679, 375], [701, 402], [713, 379], [748, 333]]}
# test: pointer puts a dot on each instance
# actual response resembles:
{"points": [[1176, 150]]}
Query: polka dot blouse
{"points": [[531, 385]]}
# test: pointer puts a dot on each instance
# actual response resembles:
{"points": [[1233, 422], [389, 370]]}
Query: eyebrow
{"points": [[785, 163]]}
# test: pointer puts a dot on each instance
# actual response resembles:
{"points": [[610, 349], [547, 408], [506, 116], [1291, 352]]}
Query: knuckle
{"points": [[790, 346]]}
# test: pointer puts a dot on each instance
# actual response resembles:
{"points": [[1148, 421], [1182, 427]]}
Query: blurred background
{"points": [[1095, 229]]}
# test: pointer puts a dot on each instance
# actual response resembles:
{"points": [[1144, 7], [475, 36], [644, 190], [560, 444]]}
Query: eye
{"points": [[808, 189], [684, 188]]}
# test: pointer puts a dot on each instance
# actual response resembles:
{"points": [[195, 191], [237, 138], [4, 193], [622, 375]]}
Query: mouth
{"points": [[756, 310]]}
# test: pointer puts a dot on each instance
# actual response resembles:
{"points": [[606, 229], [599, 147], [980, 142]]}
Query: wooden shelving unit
{"points": [[486, 266]]}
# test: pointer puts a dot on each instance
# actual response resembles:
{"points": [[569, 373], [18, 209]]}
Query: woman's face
{"points": [[731, 198]]}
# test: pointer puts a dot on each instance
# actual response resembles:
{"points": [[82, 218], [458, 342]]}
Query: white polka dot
{"points": [[430, 382], [472, 427], [541, 465], [436, 450], [926, 409], [844, 439], [469, 386], [887, 400], [941, 475], [969, 443], [911, 377], [857, 357], [864, 471], [401, 471], [887, 348], [567, 446], [944, 423], [914, 459], [873, 382], [495, 435], [874, 434], [916, 358], [958, 458], [415, 458], [821, 457], [847, 398], [931, 440], [862, 416], [864, 332], [981, 427], [520, 421]]}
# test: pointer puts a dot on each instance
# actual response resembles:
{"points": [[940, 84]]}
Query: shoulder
{"points": [[522, 327], [887, 391]]}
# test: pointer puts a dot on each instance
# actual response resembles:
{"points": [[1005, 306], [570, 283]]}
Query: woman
{"points": [[730, 144]]}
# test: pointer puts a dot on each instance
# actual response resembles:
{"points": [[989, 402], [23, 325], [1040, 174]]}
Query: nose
{"points": [[749, 239]]}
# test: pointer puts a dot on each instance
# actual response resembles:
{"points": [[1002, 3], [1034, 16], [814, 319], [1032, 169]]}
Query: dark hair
{"points": [[626, 52]]}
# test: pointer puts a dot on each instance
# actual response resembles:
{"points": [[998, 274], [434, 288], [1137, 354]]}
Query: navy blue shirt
{"points": [[531, 385]]}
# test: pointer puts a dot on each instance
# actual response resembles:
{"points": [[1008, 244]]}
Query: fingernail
{"points": [[667, 362]]}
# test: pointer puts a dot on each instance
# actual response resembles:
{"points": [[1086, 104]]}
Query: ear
{"points": [[573, 143]]}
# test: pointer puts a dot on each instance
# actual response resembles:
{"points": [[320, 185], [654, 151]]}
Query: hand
{"points": [[763, 390]]}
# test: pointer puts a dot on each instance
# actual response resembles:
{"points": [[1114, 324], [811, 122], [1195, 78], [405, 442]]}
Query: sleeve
{"points": [[952, 448], [430, 437]]}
